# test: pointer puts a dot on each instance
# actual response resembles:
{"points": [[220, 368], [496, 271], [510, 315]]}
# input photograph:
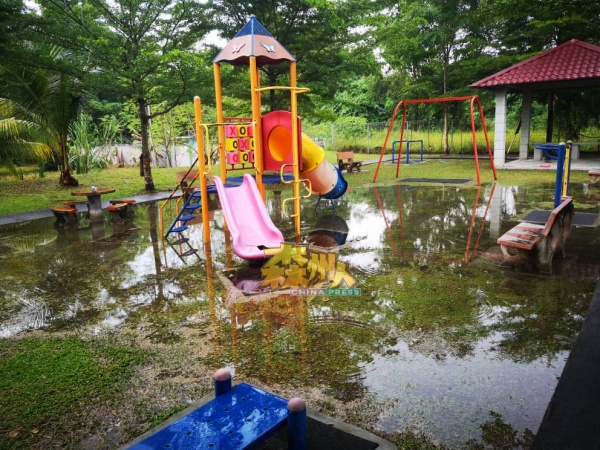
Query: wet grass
{"points": [[46, 382], [34, 193], [56, 391]]}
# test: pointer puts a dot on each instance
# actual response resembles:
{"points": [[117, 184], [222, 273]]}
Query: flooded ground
{"points": [[441, 339]]}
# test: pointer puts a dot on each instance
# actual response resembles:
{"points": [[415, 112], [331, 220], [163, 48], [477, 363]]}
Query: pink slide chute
{"points": [[251, 227]]}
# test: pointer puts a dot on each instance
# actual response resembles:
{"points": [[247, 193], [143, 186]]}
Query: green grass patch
{"points": [[33, 193], [46, 382]]}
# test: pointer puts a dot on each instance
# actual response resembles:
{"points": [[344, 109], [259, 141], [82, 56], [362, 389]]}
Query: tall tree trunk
{"points": [[66, 178], [550, 119], [146, 159]]}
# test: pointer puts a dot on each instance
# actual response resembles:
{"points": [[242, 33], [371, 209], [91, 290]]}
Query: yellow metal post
{"points": [[256, 118], [202, 169], [295, 149], [220, 119], [566, 170]]}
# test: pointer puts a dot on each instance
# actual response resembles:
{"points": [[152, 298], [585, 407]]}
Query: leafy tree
{"points": [[137, 49], [18, 136], [423, 38], [526, 28], [10, 14], [364, 97], [37, 109]]}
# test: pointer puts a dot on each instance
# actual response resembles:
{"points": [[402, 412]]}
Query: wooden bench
{"points": [[594, 176], [186, 180], [65, 215], [539, 242], [119, 212], [126, 212], [346, 162]]}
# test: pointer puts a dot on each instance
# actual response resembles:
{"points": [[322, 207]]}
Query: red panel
{"points": [[277, 140]]}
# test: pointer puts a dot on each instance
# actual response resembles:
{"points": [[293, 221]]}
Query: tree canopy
{"points": [[358, 58]]}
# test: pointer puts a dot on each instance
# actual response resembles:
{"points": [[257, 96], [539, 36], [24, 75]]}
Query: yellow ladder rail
{"points": [[307, 185]]}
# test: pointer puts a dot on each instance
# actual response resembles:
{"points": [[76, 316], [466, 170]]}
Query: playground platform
{"points": [[246, 417]]}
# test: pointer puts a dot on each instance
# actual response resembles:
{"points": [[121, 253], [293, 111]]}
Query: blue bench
{"points": [[239, 417]]}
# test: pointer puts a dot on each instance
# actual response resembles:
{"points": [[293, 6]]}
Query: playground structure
{"points": [[408, 145], [403, 103], [273, 142]]}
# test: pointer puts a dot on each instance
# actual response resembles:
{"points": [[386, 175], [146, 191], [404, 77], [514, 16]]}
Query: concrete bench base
{"points": [[65, 215], [594, 176], [539, 242]]}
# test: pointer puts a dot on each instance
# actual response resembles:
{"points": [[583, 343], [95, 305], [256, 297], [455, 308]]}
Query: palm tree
{"points": [[18, 137], [36, 109]]}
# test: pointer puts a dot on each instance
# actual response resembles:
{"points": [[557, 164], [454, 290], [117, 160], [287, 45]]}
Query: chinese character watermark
{"points": [[296, 267]]}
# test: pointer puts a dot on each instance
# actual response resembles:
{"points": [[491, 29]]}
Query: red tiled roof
{"points": [[571, 61]]}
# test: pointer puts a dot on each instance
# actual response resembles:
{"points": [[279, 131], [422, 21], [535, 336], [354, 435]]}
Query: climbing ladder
{"points": [[182, 246], [192, 203], [178, 248]]}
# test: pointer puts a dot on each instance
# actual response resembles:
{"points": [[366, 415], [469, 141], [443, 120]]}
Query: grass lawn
{"points": [[29, 192]]}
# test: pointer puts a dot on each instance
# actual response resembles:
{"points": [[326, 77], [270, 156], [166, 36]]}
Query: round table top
{"points": [[89, 192]]}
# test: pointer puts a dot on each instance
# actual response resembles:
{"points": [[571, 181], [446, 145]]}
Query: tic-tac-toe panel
{"points": [[239, 144]]}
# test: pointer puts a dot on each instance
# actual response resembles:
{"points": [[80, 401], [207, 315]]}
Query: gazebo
{"points": [[573, 64]]}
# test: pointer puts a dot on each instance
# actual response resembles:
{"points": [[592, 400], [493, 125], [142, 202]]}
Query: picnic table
{"points": [[94, 196]]}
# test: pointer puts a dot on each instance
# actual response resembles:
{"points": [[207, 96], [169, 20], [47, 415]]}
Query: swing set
{"points": [[404, 103]]}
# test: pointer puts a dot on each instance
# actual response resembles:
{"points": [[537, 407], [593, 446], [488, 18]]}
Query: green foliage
{"points": [[141, 51], [92, 144], [37, 108], [358, 58]]}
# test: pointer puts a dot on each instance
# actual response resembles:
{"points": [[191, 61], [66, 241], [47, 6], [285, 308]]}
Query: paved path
{"points": [[46, 213], [532, 164], [572, 420], [519, 164]]}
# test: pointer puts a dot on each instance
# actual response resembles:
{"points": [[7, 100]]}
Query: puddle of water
{"points": [[441, 339]]}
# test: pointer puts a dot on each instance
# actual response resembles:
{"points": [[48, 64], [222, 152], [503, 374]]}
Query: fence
{"points": [[369, 137]]}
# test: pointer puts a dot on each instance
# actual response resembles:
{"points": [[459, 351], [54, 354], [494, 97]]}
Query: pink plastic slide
{"points": [[251, 227]]}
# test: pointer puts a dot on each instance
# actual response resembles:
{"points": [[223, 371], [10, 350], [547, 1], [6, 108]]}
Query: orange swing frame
{"points": [[472, 100]]}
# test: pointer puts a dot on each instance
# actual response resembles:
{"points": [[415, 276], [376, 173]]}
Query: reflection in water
{"points": [[329, 232], [441, 339]]}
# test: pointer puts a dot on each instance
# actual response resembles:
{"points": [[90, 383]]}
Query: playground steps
{"points": [[185, 253], [186, 214], [182, 246]]}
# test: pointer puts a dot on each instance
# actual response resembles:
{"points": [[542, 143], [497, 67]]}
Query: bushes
{"points": [[91, 144]]}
